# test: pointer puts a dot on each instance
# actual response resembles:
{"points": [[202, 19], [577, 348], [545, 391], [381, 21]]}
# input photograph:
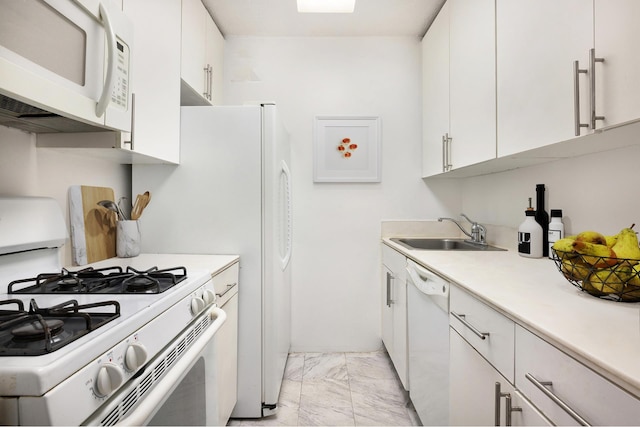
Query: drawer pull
{"points": [[542, 386], [461, 317], [229, 287], [509, 409]]}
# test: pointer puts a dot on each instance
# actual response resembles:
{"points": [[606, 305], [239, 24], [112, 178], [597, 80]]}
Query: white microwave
{"points": [[65, 66]]}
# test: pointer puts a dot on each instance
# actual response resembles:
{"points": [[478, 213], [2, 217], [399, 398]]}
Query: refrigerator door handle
{"points": [[287, 229]]}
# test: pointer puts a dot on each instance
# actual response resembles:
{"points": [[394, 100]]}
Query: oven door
{"points": [[178, 387]]}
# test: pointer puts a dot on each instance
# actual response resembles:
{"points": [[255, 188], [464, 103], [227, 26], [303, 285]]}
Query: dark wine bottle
{"points": [[542, 218]]}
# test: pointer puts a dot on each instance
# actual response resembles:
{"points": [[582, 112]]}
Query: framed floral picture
{"points": [[347, 149]]}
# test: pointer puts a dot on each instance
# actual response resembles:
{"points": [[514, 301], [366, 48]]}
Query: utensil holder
{"points": [[127, 239]]}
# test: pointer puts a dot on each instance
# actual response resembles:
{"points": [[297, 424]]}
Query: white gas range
{"points": [[101, 344]]}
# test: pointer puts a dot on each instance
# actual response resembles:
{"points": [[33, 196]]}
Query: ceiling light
{"points": [[326, 6]]}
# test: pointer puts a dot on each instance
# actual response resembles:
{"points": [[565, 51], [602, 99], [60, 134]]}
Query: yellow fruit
{"points": [[599, 256], [592, 237], [635, 278], [564, 245], [609, 281], [611, 240], [575, 269], [627, 246]]}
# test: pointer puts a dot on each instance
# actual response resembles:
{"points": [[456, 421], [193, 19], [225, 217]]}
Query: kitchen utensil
{"points": [[93, 229], [112, 207], [142, 200]]}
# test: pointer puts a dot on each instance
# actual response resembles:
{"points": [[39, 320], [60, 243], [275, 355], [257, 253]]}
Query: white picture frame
{"points": [[347, 149]]}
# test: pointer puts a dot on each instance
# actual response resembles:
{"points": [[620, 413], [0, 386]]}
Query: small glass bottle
{"points": [[556, 229], [530, 236]]}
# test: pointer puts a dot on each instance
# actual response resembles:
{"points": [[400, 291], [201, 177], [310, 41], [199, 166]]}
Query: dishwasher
{"points": [[428, 332]]}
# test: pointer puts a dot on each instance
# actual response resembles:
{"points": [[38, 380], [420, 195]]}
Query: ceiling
{"points": [[281, 18]]}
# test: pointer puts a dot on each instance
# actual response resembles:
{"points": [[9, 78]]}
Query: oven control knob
{"points": [[135, 356], [197, 305], [209, 296], [110, 377]]}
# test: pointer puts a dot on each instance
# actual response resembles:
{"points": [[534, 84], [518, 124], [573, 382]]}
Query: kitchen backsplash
{"points": [[29, 171]]}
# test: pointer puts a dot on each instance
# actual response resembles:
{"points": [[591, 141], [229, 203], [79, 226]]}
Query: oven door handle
{"points": [[143, 413]]}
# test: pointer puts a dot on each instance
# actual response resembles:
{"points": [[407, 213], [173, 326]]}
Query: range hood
{"points": [[17, 114]]}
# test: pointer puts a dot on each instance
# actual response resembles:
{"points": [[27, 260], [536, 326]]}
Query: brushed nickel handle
{"points": [[444, 153], [509, 406], [542, 386], [576, 97], [389, 278], [446, 140], [462, 318], [592, 80], [229, 287]]}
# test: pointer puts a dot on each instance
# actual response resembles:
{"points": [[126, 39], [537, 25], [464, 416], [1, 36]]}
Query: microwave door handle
{"points": [[107, 89]]}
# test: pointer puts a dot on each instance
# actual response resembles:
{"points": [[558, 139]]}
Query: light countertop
{"points": [[211, 263], [604, 335]]}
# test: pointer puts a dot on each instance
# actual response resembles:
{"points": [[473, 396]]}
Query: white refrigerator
{"points": [[231, 194]]}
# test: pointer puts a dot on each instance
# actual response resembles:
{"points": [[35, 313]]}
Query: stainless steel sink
{"points": [[444, 244]]}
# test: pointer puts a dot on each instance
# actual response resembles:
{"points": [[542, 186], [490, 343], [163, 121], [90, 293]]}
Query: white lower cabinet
{"points": [[480, 395], [541, 384], [394, 311], [226, 343], [565, 390]]}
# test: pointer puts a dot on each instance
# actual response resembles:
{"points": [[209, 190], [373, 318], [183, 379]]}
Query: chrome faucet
{"points": [[478, 233]]}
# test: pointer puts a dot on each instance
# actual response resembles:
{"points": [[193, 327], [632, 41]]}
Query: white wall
{"points": [[595, 192], [29, 171], [336, 264]]}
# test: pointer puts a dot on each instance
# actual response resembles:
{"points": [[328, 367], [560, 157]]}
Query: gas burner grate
{"points": [[39, 331], [109, 280]]}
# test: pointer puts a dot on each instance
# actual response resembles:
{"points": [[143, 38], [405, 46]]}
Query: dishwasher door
{"points": [[428, 331]]}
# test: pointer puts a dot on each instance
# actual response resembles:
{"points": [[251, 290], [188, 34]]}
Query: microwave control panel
{"points": [[120, 93]]}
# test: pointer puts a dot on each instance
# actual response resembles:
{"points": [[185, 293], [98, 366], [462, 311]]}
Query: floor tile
{"points": [[325, 393], [293, 369], [375, 365], [340, 389], [331, 416], [324, 366]]}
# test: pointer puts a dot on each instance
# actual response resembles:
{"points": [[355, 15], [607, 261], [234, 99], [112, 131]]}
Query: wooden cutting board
{"points": [[93, 228]]}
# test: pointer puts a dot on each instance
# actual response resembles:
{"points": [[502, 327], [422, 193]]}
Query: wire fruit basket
{"points": [[615, 279]]}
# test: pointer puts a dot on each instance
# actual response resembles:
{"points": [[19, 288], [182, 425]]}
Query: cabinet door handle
{"points": [[389, 278], [542, 386], [210, 81], [208, 72], [444, 153], [509, 406], [461, 317], [576, 97], [228, 288], [592, 80]]}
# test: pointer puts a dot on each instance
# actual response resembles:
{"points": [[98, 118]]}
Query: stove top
{"points": [[109, 280], [39, 331]]}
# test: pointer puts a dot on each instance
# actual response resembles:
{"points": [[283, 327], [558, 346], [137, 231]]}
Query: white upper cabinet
{"points": [[537, 44], [202, 47], [156, 87], [459, 99], [544, 95], [472, 73], [617, 35], [435, 94]]}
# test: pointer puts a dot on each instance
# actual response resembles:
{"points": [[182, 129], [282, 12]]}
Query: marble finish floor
{"points": [[340, 389]]}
